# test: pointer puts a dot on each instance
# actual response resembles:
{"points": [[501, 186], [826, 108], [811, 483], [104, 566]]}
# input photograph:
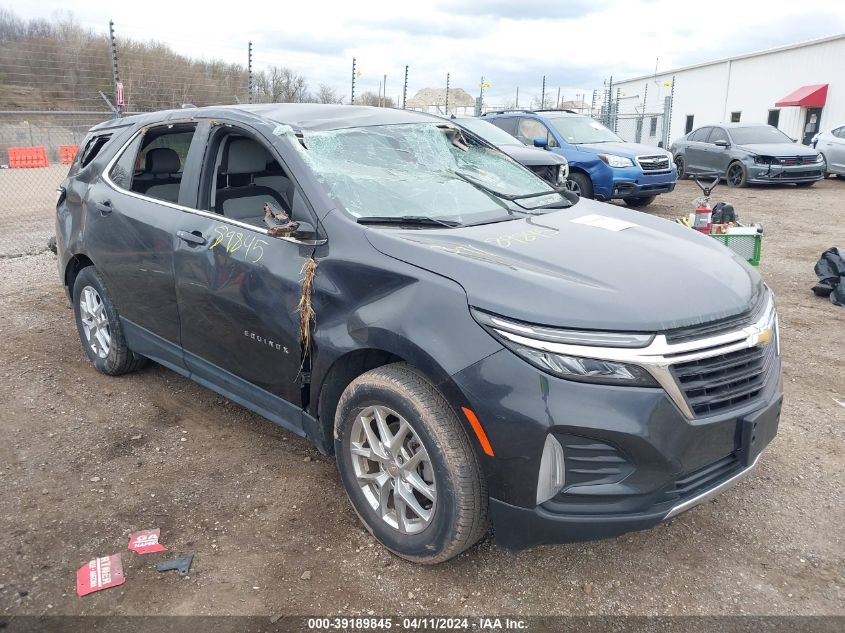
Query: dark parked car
{"points": [[549, 166], [747, 154], [459, 335]]}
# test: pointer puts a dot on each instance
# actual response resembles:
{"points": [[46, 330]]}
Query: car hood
{"points": [[779, 149], [628, 150], [531, 156], [551, 270]]}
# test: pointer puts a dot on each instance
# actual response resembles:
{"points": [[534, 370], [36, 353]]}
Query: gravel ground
{"points": [[87, 459]]}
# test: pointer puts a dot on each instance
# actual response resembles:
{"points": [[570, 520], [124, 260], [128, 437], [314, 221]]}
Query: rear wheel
{"points": [[580, 183], [99, 326], [639, 202], [408, 467], [736, 176]]}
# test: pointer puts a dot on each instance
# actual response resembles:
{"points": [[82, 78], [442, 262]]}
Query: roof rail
{"points": [[557, 110], [505, 110]]}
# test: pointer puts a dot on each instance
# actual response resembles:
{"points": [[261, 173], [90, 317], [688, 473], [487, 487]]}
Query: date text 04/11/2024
{"points": [[424, 623]]}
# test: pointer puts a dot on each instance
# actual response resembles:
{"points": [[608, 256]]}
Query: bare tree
{"points": [[547, 104], [278, 84], [327, 94], [372, 99]]}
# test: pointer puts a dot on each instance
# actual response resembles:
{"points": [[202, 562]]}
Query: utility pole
{"points": [[517, 98], [481, 98], [384, 93], [352, 98], [405, 88], [118, 86], [447, 94], [249, 71], [557, 103], [543, 94]]}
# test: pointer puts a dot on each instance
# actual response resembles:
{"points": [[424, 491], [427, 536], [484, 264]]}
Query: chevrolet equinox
{"points": [[473, 345]]}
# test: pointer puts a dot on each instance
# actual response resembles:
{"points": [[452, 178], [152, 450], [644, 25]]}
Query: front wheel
{"points": [[825, 172], [580, 184], [682, 172], [639, 202], [736, 176], [408, 467]]}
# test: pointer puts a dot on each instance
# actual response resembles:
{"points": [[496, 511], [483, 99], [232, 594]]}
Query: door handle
{"points": [[194, 238], [103, 207]]}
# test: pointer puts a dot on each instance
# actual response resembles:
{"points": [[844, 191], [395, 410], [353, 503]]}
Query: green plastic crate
{"points": [[748, 247]]}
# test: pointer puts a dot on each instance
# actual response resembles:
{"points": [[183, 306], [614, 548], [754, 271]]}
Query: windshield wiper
{"points": [[515, 198], [407, 220]]}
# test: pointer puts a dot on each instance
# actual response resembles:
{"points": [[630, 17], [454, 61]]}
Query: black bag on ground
{"points": [[831, 272]]}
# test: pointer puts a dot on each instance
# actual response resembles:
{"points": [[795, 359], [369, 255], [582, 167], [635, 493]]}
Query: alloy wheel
{"points": [[679, 163], [95, 321], [572, 186], [735, 175], [393, 469]]}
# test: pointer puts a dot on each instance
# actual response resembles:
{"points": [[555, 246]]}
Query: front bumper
{"points": [[629, 182], [633, 459], [786, 174]]}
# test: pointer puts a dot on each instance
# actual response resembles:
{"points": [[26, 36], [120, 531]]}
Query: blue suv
{"points": [[601, 165]]}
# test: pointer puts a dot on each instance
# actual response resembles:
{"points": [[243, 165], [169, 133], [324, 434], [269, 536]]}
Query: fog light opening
{"points": [[552, 470]]}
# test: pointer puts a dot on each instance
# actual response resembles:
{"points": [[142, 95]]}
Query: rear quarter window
{"points": [[93, 148]]}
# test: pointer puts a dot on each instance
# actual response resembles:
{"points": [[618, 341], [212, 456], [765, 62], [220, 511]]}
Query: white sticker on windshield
{"points": [[603, 222]]}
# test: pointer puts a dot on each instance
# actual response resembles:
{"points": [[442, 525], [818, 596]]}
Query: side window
{"points": [[92, 148], [700, 135], [508, 125], [840, 133], [718, 134], [241, 175], [529, 129], [152, 164]]}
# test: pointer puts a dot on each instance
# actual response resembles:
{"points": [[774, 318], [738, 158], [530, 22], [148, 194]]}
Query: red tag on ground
{"points": [[100, 573], [146, 542]]}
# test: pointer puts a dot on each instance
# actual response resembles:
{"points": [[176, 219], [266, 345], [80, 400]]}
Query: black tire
{"points": [[639, 202], [581, 184], [804, 185], [115, 358], [682, 171], [459, 511], [736, 175]]}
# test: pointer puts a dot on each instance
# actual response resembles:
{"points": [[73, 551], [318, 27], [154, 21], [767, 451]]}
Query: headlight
{"points": [[552, 470], [762, 160], [819, 158], [616, 161], [562, 174], [527, 342]]}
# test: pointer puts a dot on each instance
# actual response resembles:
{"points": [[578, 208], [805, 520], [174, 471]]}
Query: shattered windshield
{"points": [[421, 170]]}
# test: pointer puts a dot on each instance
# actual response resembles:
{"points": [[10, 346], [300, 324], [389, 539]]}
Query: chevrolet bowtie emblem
{"points": [[765, 336]]}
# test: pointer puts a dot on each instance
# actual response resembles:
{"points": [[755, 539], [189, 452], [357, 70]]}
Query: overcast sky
{"points": [[575, 43]]}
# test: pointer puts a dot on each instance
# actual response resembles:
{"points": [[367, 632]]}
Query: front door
{"points": [[134, 214], [812, 121], [238, 289]]}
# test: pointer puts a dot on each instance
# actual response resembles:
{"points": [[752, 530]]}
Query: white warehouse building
{"points": [[798, 88]]}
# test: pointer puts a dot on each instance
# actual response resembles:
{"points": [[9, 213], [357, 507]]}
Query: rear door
{"points": [[695, 154], [835, 153], [238, 289], [132, 214]]}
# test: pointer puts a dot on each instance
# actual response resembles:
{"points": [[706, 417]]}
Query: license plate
{"points": [[757, 430]]}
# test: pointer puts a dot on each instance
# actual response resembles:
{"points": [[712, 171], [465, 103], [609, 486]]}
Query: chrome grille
{"points": [[659, 162], [719, 383]]}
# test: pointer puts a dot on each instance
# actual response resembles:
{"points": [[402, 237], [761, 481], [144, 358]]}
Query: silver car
{"points": [[747, 154], [831, 146]]}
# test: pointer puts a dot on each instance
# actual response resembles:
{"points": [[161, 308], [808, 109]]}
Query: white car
{"points": [[831, 145]]}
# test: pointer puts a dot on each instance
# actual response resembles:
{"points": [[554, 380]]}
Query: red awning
{"points": [[806, 96]]}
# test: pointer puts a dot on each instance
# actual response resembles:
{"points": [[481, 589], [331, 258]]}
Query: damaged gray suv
{"points": [[472, 344]]}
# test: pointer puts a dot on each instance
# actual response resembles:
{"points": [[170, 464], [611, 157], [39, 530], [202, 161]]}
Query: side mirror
{"points": [[722, 143], [305, 231], [541, 142]]}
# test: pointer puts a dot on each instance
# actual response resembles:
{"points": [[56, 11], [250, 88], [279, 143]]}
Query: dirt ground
{"points": [[86, 459]]}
